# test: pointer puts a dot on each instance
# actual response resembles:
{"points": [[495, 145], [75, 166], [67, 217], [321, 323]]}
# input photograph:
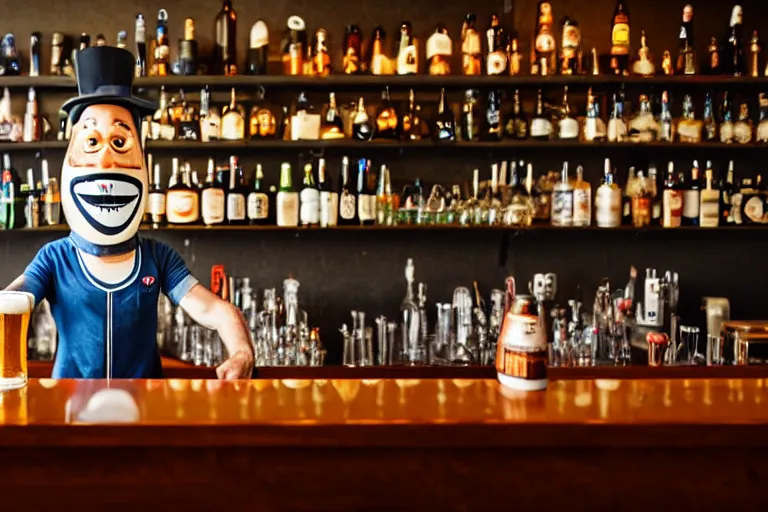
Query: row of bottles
{"points": [[30, 202]]}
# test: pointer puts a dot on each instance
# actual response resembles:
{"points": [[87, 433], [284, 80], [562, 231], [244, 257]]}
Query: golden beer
{"points": [[15, 312]]}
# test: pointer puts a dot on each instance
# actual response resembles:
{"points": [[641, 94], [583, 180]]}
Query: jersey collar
{"points": [[103, 250]]}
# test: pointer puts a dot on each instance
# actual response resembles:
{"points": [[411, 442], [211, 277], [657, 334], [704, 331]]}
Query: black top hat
{"points": [[105, 76]]}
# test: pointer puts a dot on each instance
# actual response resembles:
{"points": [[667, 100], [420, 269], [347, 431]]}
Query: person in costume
{"points": [[103, 280]]}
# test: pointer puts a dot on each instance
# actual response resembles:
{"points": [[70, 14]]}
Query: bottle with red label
{"points": [[672, 201]]}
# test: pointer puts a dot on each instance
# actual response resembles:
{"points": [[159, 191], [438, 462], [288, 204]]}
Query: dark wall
{"points": [[340, 271]]}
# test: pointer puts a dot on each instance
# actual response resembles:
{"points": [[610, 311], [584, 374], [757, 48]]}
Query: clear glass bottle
{"points": [[742, 128], [582, 200], [445, 123], [361, 127], [692, 198], [233, 120], [519, 211], [409, 314], [666, 132], [413, 127], [387, 124], [517, 123], [594, 128], [287, 199], [726, 115], [608, 200], [568, 127], [709, 207], [309, 199], [617, 124], [672, 200], [332, 126], [562, 200], [689, 128], [541, 126], [710, 125]]}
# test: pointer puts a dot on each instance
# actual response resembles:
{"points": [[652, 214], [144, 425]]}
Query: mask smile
{"points": [[108, 201]]}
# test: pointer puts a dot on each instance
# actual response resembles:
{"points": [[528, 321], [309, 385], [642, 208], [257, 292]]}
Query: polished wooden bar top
{"points": [[436, 412]]}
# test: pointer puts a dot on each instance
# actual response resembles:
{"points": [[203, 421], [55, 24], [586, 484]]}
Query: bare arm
{"points": [[208, 310], [17, 284]]}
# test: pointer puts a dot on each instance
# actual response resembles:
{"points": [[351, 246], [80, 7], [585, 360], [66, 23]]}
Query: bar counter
{"points": [[407, 444]]}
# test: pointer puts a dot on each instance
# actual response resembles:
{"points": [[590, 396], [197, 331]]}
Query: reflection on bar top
{"points": [[337, 402]]}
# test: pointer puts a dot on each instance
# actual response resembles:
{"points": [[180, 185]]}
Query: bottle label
{"points": [[569, 128], [310, 206], [709, 210], [213, 206], [492, 116], [726, 132], [258, 206], [735, 216], [620, 36], [287, 209], [364, 210], [562, 208], [523, 351], [156, 203], [541, 127], [496, 63], [545, 42], [582, 207], [236, 207], [329, 206], [608, 207], [439, 44], [347, 206], [617, 130], [182, 207], [742, 132], [691, 203], [673, 208], [641, 211], [754, 209]]}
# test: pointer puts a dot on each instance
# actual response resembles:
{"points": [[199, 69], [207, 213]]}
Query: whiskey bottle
{"points": [[353, 44], [666, 131], [727, 193], [237, 194], [620, 38], [189, 122], [571, 55], [470, 46], [754, 55], [496, 39], [608, 200], [713, 62], [387, 119], [162, 127], [726, 125], [672, 200], [309, 211], [210, 121], [445, 123], [329, 200], [407, 55], [742, 129], [413, 127], [686, 60], [258, 49], [568, 126], [562, 200], [361, 128], [294, 46], [543, 47], [469, 116], [710, 126], [182, 202], [493, 129], [379, 63], [366, 200], [514, 57], [692, 198], [140, 35], [617, 124], [287, 199], [304, 125], [155, 199], [733, 52], [347, 197], [688, 128], [262, 123], [188, 50], [332, 126], [321, 59], [594, 128], [541, 126], [642, 200], [212, 198], [162, 52], [258, 201], [517, 123], [439, 52], [762, 126], [709, 206], [232, 120]]}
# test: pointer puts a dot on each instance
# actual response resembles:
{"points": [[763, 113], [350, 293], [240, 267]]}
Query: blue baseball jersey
{"points": [[106, 330]]}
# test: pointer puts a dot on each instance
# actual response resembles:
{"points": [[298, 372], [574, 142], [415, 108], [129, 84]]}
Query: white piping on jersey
{"points": [[109, 336], [129, 281]]}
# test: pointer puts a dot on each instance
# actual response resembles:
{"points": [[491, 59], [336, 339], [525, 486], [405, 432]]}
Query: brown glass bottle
{"points": [[225, 44]]}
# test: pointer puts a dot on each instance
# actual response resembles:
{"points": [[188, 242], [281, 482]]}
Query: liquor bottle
{"points": [[353, 44], [643, 127], [439, 51], [347, 197], [470, 46], [620, 38], [329, 200], [594, 128], [541, 126], [51, 197], [752, 201], [361, 128], [582, 200], [140, 35], [34, 54], [321, 58], [469, 116], [287, 199], [688, 128], [387, 119], [366, 199], [543, 47], [642, 199], [445, 123], [331, 126], [407, 55], [258, 201], [517, 124], [568, 127], [713, 62], [309, 210], [258, 49], [210, 121], [379, 63], [294, 45], [710, 126], [304, 125], [188, 125], [262, 122], [761, 134], [493, 129], [672, 200], [162, 64], [162, 127], [692, 198], [272, 213], [709, 206], [156, 200], [188, 50], [626, 198], [727, 193], [237, 194], [413, 127], [213, 198], [33, 126], [514, 57], [686, 59], [656, 205], [233, 120], [496, 39], [608, 200], [386, 202], [31, 204], [726, 126], [666, 128], [644, 65], [571, 54], [617, 124], [519, 211], [742, 129], [182, 203], [733, 51], [562, 200]]}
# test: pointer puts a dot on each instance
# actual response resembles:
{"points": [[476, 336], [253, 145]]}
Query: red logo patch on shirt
{"points": [[148, 281]]}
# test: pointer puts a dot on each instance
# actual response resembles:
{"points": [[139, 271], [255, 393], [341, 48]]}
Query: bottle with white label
{"points": [[541, 126], [582, 200], [347, 197], [309, 211], [709, 209], [156, 200], [568, 126], [236, 194], [594, 128], [617, 124], [608, 200], [182, 201], [672, 207], [212, 198], [692, 198], [329, 200], [366, 199], [258, 201], [562, 200], [287, 199]]}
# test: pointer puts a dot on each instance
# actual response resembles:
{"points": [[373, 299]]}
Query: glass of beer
{"points": [[15, 312]]}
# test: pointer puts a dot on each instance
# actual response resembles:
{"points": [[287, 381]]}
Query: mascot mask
{"points": [[104, 176]]}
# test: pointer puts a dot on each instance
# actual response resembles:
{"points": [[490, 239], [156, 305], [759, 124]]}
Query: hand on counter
{"points": [[238, 366]]}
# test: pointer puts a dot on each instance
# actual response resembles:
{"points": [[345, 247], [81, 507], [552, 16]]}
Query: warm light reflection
{"points": [[48, 383], [14, 407], [296, 383]]}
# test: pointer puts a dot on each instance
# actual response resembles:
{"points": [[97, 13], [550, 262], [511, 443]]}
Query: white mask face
{"points": [[104, 179]]}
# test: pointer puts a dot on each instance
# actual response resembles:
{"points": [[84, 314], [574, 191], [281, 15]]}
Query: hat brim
{"points": [[139, 107]]}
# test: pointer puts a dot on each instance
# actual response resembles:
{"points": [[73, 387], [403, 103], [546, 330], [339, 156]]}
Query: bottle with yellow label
{"points": [[620, 39]]}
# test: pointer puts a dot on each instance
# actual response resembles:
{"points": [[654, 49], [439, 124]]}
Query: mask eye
{"points": [[92, 143], [120, 143]]}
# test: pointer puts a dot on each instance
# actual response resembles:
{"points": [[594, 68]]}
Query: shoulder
{"points": [[158, 250], [61, 248]]}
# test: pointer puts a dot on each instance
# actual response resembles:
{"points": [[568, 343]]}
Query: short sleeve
{"points": [[38, 276], [175, 278]]}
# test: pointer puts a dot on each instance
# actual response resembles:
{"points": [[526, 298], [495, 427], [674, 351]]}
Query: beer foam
{"points": [[16, 303]]}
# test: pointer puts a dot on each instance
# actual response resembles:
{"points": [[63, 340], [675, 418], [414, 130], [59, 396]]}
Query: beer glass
{"points": [[15, 312]]}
